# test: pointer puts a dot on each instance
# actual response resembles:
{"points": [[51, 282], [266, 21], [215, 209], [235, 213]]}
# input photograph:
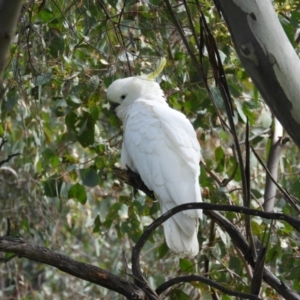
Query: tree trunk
{"points": [[9, 15], [267, 56]]}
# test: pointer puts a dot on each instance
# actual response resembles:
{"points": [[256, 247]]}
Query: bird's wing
{"points": [[162, 145]]}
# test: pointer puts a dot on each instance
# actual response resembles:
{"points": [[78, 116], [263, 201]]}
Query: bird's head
{"points": [[129, 89]]}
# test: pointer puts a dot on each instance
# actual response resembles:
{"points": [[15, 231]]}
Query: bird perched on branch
{"points": [[160, 144]]}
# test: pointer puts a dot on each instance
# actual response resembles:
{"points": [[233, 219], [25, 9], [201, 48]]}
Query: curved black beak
{"points": [[113, 106]]}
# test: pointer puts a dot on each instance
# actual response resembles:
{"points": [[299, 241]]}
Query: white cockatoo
{"points": [[160, 144]]}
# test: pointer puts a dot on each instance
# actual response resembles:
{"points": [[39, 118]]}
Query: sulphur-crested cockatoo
{"points": [[160, 144]]}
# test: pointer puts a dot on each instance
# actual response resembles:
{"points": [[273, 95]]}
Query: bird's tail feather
{"points": [[178, 240]]}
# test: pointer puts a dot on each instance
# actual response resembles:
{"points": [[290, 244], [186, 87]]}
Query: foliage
{"points": [[61, 192]]}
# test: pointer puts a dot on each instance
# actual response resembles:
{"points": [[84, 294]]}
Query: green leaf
{"points": [[218, 100], [11, 99], [55, 41], [113, 3], [112, 215], [257, 194], [60, 107], [154, 208], [89, 177], [86, 136], [163, 249], [108, 80], [226, 297], [97, 224], [293, 273], [94, 82], [241, 113], [219, 154], [235, 88], [45, 15], [94, 111], [50, 158], [248, 110], [295, 19], [273, 253], [71, 119], [256, 227], [179, 55], [52, 186], [186, 265], [77, 191], [83, 126], [48, 153], [179, 295], [235, 264], [43, 78], [25, 225]]}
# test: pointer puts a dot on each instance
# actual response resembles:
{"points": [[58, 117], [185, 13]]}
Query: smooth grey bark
{"points": [[267, 56], [272, 165], [9, 15]]}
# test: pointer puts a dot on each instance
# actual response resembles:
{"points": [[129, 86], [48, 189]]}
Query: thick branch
{"points": [[235, 235], [78, 269]]}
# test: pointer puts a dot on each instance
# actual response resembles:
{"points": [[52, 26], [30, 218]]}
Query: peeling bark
{"points": [[267, 56]]}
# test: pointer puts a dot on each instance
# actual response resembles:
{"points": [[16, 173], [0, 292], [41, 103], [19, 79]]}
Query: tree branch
{"points": [[235, 235], [9, 157], [204, 280], [4, 141], [272, 165], [78, 269], [260, 264], [142, 290]]}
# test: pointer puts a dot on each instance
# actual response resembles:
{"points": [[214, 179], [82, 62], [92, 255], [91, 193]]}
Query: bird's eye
{"points": [[123, 97]]}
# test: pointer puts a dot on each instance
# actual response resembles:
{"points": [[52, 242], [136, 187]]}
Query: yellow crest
{"points": [[158, 70]]}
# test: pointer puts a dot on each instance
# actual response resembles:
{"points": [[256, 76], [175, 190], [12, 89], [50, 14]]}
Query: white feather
{"points": [[161, 145]]}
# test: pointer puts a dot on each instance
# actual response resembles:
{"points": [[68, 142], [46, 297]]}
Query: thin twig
{"points": [[9, 157], [3, 141], [253, 137]]}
